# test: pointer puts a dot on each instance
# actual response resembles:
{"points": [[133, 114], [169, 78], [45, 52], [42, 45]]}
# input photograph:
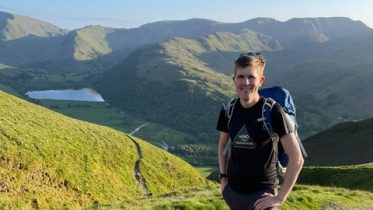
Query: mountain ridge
{"points": [[24, 26]]}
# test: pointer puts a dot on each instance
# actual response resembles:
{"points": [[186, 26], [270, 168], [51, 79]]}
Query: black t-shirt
{"points": [[252, 165]]}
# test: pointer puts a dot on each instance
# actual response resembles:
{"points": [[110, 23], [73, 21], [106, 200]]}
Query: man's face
{"points": [[247, 82]]}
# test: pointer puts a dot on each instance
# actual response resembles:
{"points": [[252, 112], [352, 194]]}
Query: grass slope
{"points": [[303, 197], [90, 42], [358, 177], [344, 144], [51, 161], [179, 143], [346, 187], [106, 115]]}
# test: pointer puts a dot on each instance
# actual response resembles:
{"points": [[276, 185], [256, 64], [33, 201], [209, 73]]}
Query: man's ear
{"points": [[261, 81]]}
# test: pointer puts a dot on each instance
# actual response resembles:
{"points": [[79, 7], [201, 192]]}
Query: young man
{"points": [[249, 180]]}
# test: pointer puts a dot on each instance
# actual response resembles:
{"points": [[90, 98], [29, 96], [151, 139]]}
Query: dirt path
{"points": [[140, 179]]}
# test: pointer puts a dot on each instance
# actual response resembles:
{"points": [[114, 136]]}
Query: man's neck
{"points": [[247, 103]]}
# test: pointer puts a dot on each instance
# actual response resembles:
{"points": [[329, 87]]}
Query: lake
{"points": [[85, 94]]}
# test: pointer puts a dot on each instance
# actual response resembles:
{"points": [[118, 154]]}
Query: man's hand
{"points": [[223, 184], [267, 201]]}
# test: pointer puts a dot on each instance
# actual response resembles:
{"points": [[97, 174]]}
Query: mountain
{"points": [[14, 27], [294, 32], [151, 33], [21, 38], [90, 42], [93, 42], [215, 52], [51, 161], [345, 82], [307, 31], [33, 43], [343, 144], [84, 50]]}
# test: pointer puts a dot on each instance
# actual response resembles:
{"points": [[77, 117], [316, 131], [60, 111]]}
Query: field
{"points": [[104, 114]]}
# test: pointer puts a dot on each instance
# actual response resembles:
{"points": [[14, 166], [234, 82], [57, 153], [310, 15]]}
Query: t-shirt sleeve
{"points": [[222, 124], [281, 122]]}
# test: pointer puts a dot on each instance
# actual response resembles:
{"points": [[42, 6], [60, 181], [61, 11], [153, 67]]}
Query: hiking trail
{"points": [[140, 179]]}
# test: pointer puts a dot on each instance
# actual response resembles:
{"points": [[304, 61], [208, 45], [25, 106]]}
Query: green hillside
{"points": [[330, 90], [348, 187], [343, 144], [338, 81], [303, 197], [3, 81], [52, 161], [344, 187], [357, 177], [90, 42], [103, 114]]}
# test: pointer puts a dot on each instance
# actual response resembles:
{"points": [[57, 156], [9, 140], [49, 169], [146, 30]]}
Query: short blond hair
{"points": [[251, 59]]}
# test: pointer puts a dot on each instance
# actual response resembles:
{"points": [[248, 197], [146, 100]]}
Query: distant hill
{"points": [[300, 31], [291, 33], [52, 161], [90, 42], [63, 48], [21, 38], [17, 26], [340, 81], [343, 144], [25, 41]]}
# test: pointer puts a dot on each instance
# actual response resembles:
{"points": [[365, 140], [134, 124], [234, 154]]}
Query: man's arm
{"points": [[223, 139], [291, 147]]}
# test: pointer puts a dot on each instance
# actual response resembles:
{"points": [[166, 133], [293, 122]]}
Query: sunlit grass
{"points": [[51, 161]]}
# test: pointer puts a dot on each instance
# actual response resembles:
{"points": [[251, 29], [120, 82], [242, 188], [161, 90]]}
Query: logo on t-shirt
{"points": [[244, 140]]}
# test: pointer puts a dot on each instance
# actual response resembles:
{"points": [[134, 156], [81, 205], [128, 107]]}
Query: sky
{"points": [[73, 14]]}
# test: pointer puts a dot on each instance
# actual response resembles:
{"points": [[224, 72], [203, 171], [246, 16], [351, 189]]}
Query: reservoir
{"points": [[85, 94]]}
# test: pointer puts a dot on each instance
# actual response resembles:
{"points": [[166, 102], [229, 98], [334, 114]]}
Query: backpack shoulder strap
{"points": [[229, 108], [267, 123], [266, 115]]}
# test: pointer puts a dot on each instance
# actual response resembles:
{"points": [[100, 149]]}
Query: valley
{"points": [[171, 78]]}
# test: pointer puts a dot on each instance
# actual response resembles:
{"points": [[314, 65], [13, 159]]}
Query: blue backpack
{"points": [[281, 96], [272, 96]]}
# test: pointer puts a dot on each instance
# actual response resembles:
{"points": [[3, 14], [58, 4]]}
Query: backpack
{"points": [[272, 96]]}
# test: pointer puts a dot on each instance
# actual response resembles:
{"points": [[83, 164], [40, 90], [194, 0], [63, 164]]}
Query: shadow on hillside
{"points": [[358, 178]]}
